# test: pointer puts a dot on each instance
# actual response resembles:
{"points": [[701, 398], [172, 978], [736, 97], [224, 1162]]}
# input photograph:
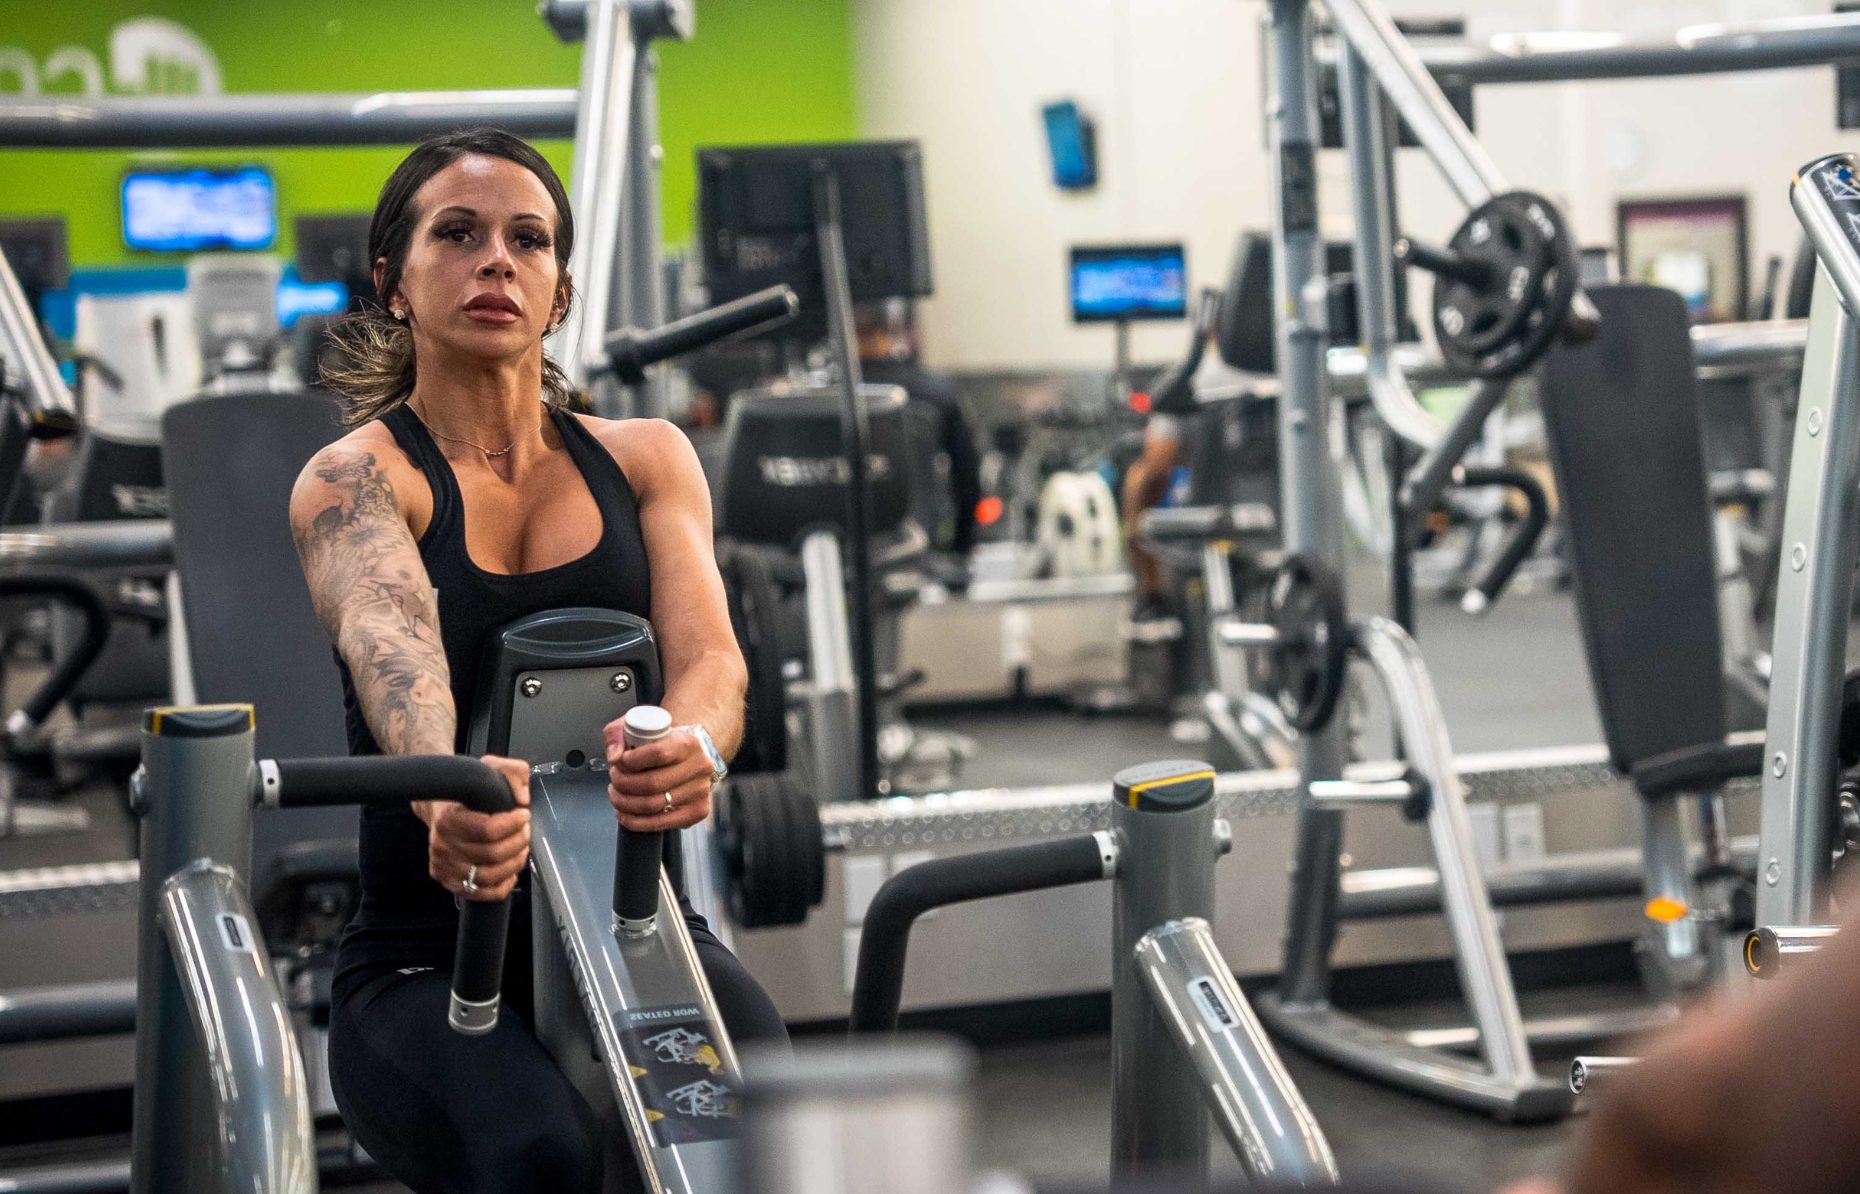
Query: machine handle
{"points": [[478, 958], [1421, 492], [83, 597], [878, 983], [638, 856], [1523, 540], [631, 351]]}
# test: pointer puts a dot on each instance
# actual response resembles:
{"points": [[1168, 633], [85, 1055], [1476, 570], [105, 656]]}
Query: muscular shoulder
{"points": [[364, 472], [653, 453]]}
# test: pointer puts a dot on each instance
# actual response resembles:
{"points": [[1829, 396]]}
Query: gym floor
{"points": [[1042, 1105]]}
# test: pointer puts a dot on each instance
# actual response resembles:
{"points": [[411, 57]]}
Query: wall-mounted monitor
{"points": [[190, 211], [1110, 283], [1072, 144]]}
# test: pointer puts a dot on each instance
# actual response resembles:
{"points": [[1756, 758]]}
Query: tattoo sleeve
{"points": [[372, 594]]}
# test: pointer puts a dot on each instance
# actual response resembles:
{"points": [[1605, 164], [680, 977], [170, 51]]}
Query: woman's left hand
{"points": [[642, 779]]}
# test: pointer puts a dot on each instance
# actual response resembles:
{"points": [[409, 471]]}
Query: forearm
{"points": [[709, 692], [402, 684]]}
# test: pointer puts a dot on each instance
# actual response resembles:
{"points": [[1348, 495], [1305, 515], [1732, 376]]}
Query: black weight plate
{"points": [[755, 615], [746, 843], [1305, 669], [1537, 297], [808, 862], [1557, 291], [1476, 319]]}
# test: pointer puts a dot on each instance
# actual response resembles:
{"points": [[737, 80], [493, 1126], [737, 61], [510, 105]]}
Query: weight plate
{"points": [[1305, 669], [755, 615], [1498, 328], [769, 833]]}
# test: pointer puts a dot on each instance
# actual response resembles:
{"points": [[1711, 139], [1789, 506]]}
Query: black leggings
{"points": [[450, 1114]]}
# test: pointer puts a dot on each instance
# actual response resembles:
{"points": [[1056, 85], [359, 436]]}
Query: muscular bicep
{"points": [[371, 592], [688, 605]]}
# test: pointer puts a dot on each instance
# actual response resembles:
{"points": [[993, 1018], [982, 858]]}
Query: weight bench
{"points": [[1622, 417]]}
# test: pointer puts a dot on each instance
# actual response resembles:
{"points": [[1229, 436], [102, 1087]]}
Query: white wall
{"points": [[1175, 88]]}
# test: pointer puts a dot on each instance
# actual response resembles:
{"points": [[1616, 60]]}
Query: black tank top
{"points": [[405, 917]]}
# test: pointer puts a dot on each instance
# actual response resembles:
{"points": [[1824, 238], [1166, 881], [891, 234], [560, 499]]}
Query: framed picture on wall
{"points": [[1698, 247]]}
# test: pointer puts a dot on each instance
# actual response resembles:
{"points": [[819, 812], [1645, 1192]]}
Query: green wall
{"points": [[757, 70]]}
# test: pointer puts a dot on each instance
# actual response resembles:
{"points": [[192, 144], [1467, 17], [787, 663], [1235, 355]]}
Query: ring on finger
{"points": [[471, 880], [668, 802]]}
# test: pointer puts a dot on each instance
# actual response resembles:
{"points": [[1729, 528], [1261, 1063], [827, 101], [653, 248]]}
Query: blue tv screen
{"points": [[1116, 282], [1074, 147], [187, 211]]}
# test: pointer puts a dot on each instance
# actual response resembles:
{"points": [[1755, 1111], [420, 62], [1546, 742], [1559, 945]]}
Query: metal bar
{"points": [[598, 181], [855, 434], [1254, 1100], [1557, 57], [1469, 170], [194, 791], [68, 1011], [128, 543], [1552, 1033], [1669, 875], [1814, 588], [1312, 523], [639, 284], [261, 1098], [1479, 955], [26, 358], [1825, 194], [1768, 951], [1347, 791], [1585, 1072], [833, 714], [279, 121], [1165, 872], [1366, 135], [1420, 493], [1577, 875]]}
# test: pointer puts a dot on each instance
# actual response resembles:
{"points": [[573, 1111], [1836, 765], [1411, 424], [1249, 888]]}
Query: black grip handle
{"points": [[631, 351], [86, 600], [636, 881], [1523, 540], [390, 779], [478, 966], [1424, 486]]}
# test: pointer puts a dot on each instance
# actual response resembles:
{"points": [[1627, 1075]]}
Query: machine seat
{"points": [[1695, 769]]}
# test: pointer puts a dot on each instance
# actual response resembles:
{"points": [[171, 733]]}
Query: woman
{"points": [[468, 495]]}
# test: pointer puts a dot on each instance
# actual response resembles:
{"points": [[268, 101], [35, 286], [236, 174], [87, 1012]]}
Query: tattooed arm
{"points": [[372, 593]]}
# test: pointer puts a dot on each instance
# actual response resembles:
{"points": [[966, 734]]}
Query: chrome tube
{"points": [[24, 352], [1484, 970], [1585, 1072], [278, 121], [603, 122], [1769, 951], [1814, 588], [832, 701], [1695, 50], [128, 543], [1405, 79], [1366, 136], [1826, 198], [261, 1096], [1254, 1100]]}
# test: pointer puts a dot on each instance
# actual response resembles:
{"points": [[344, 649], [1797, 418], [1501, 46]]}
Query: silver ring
{"points": [[471, 881], [668, 802]]}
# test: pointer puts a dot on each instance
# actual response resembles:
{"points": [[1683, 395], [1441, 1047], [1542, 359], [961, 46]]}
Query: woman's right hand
{"points": [[498, 844]]}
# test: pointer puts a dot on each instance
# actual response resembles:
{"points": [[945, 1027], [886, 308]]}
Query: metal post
{"points": [[1309, 480], [603, 121], [1265, 1119], [876, 1117], [1814, 591], [639, 285], [265, 1138], [832, 706], [1163, 818], [1418, 97], [1669, 877], [194, 794], [28, 362], [1369, 138], [1485, 972], [855, 434]]}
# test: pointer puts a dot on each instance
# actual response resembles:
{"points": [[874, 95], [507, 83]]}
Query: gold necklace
{"points": [[489, 452]]}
